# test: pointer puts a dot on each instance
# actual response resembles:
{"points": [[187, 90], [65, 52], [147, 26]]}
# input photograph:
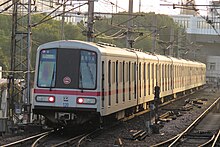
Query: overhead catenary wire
{"points": [[18, 71], [44, 19], [113, 27], [5, 3], [8, 7]]}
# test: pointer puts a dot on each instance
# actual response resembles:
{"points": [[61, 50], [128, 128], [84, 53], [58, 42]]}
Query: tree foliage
{"points": [[108, 29], [114, 29]]}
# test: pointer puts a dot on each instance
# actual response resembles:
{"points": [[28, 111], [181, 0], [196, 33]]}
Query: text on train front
{"points": [[67, 68]]}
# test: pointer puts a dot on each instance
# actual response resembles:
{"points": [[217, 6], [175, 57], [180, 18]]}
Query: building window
{"points": [[211, 66]]}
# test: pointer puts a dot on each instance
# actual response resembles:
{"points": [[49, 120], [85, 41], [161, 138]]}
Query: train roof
{"points": [[109, 49]]}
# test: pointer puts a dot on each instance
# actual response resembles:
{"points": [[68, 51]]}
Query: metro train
{"points": [[76, 81]]}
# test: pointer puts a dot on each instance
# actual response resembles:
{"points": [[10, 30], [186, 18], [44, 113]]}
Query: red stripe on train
{"points": [[71, 92]]}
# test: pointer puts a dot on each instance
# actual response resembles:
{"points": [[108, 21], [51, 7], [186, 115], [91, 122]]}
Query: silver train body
{"points": [[76, 81]]}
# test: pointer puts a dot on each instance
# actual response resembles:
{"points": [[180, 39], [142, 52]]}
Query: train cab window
{"points": [[47, 68], [56, 65]]}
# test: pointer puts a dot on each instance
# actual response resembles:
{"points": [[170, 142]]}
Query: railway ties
{"points": [[198, 133]]}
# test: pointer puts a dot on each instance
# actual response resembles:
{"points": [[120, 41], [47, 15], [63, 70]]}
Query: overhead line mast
{"points": [[20, 59], [90, 21], [129, 40]]}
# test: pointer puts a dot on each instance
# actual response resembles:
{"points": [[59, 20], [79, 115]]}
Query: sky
{"points": [[145, 6]]}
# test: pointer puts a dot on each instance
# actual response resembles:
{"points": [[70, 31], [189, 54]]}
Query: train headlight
{"points": [[86, 100], [45, 98], [51, 99]]}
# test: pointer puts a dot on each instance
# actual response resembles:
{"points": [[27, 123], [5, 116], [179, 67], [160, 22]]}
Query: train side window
{"points": [[117, 81], [148, 72], [123, 80], [144, 73], [132, 72], [127, 71], [140, 80], [103, 83], [109, 83], [162, 85], [168, 77], [129, 79], [160, 66], [165, 77], [135, 80], [157, 74], [175, 74], [152, 76], [120, 72], [113, 72]]}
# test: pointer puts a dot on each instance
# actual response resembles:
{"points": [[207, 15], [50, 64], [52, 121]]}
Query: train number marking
{"points": [[65, 104]]}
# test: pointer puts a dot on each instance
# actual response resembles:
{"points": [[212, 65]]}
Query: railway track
{"points": [[27, 140], [199, 133], [61, 141]]}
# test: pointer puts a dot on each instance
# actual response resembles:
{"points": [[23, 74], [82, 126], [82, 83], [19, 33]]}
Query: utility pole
{"points": [[129, 40], [62, 22], [90, 21], [153, 49], [170, 51], [20, 60], [139, 6], [28, 77]]}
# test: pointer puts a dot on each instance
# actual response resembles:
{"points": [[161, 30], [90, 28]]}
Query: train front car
{"points": [[65, 87]]}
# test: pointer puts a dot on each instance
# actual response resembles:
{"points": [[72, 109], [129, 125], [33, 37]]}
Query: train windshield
{"points": [[67, 68]]}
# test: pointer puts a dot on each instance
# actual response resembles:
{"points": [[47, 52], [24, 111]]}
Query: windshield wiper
{"points": [[52, 78], [80, 80]]}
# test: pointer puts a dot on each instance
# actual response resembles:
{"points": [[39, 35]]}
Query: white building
{"points": [[3, 96], [197, 24], [213, 69]]}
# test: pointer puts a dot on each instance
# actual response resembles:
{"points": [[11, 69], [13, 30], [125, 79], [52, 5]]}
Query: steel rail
{"points": [[208, 142], [165, 142], [85, 136], [26, 139], [37, 141], [194, 123], [67, 141], [216, 139]]}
